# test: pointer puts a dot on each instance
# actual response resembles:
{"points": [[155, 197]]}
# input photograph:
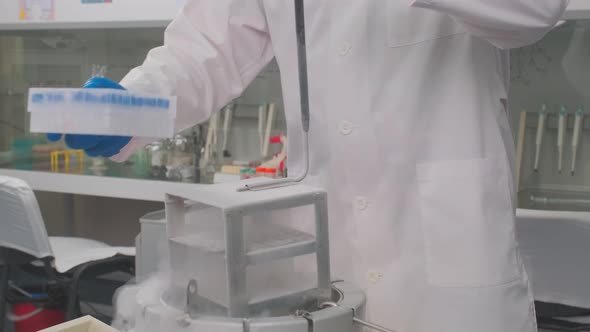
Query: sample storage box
{"points": [[84, 324], [101, 112]]}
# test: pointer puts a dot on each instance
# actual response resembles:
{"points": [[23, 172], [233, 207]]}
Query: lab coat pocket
{"points": [[411, 25], [468, 223]]}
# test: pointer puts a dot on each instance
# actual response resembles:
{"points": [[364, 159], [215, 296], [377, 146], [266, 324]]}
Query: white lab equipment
{"points": [[24, 240], [101, 112], [540, 133], [23, 229], [213, 235], [561, 127], [578, 127]]}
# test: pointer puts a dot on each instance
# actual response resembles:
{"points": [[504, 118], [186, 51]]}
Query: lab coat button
{"points": [[374, 276], [361, 203], [345, 128], [345, 49]]}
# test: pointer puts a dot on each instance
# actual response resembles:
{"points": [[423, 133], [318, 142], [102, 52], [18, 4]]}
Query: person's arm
{"points": [[504, 23], [212, 50]]}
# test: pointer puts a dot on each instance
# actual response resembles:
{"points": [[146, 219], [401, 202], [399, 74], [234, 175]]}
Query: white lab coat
{"points": [[409, 135]]}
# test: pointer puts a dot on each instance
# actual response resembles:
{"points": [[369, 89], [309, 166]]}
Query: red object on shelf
{"points": [[275, 139], [42, 320]]}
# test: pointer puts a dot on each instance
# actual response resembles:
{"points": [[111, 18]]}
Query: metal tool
{"points": [[192, 294], [228, 116], [356, 320], [304, 101]]}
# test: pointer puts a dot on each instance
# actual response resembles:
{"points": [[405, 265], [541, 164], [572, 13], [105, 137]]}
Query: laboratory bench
{"points": [[120, 181], [102, 186], [87, 178], [93, 167]]}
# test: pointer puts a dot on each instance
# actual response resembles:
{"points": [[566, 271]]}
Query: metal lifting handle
{"points": [[304, 101], [356, 320], [371, 325]]}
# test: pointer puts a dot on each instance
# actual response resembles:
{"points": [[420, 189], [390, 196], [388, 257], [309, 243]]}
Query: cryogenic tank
{"points": [[235, 265]]}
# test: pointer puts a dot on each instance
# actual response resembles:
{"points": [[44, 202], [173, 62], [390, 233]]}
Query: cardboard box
{"points": [[84, 324]]}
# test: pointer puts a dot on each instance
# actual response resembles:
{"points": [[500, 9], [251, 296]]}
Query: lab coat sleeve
{"points": [[212, 50], [504, 23]]}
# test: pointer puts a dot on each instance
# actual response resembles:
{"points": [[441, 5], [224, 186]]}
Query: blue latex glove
{"points": [[93, 145]]}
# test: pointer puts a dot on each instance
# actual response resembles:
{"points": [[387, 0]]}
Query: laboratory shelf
{"points": [[286, 251], [101, 186], [18, 26], [274, 236], [555, 198], [129, 180], [278, 242], [263, 244]]}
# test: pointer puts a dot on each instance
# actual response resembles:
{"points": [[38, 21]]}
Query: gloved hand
{"points": [[93, 145]]}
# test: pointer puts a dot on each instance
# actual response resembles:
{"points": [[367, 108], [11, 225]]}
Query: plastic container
{"points": [[101, 112], [244, 173], [230, 169], [271, 173], [260, 171], [22, 152], [247, 173], [22, 148], [37, 321]]}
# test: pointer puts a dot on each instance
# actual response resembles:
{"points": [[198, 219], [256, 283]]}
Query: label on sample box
{"points": [[101, 112]]}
